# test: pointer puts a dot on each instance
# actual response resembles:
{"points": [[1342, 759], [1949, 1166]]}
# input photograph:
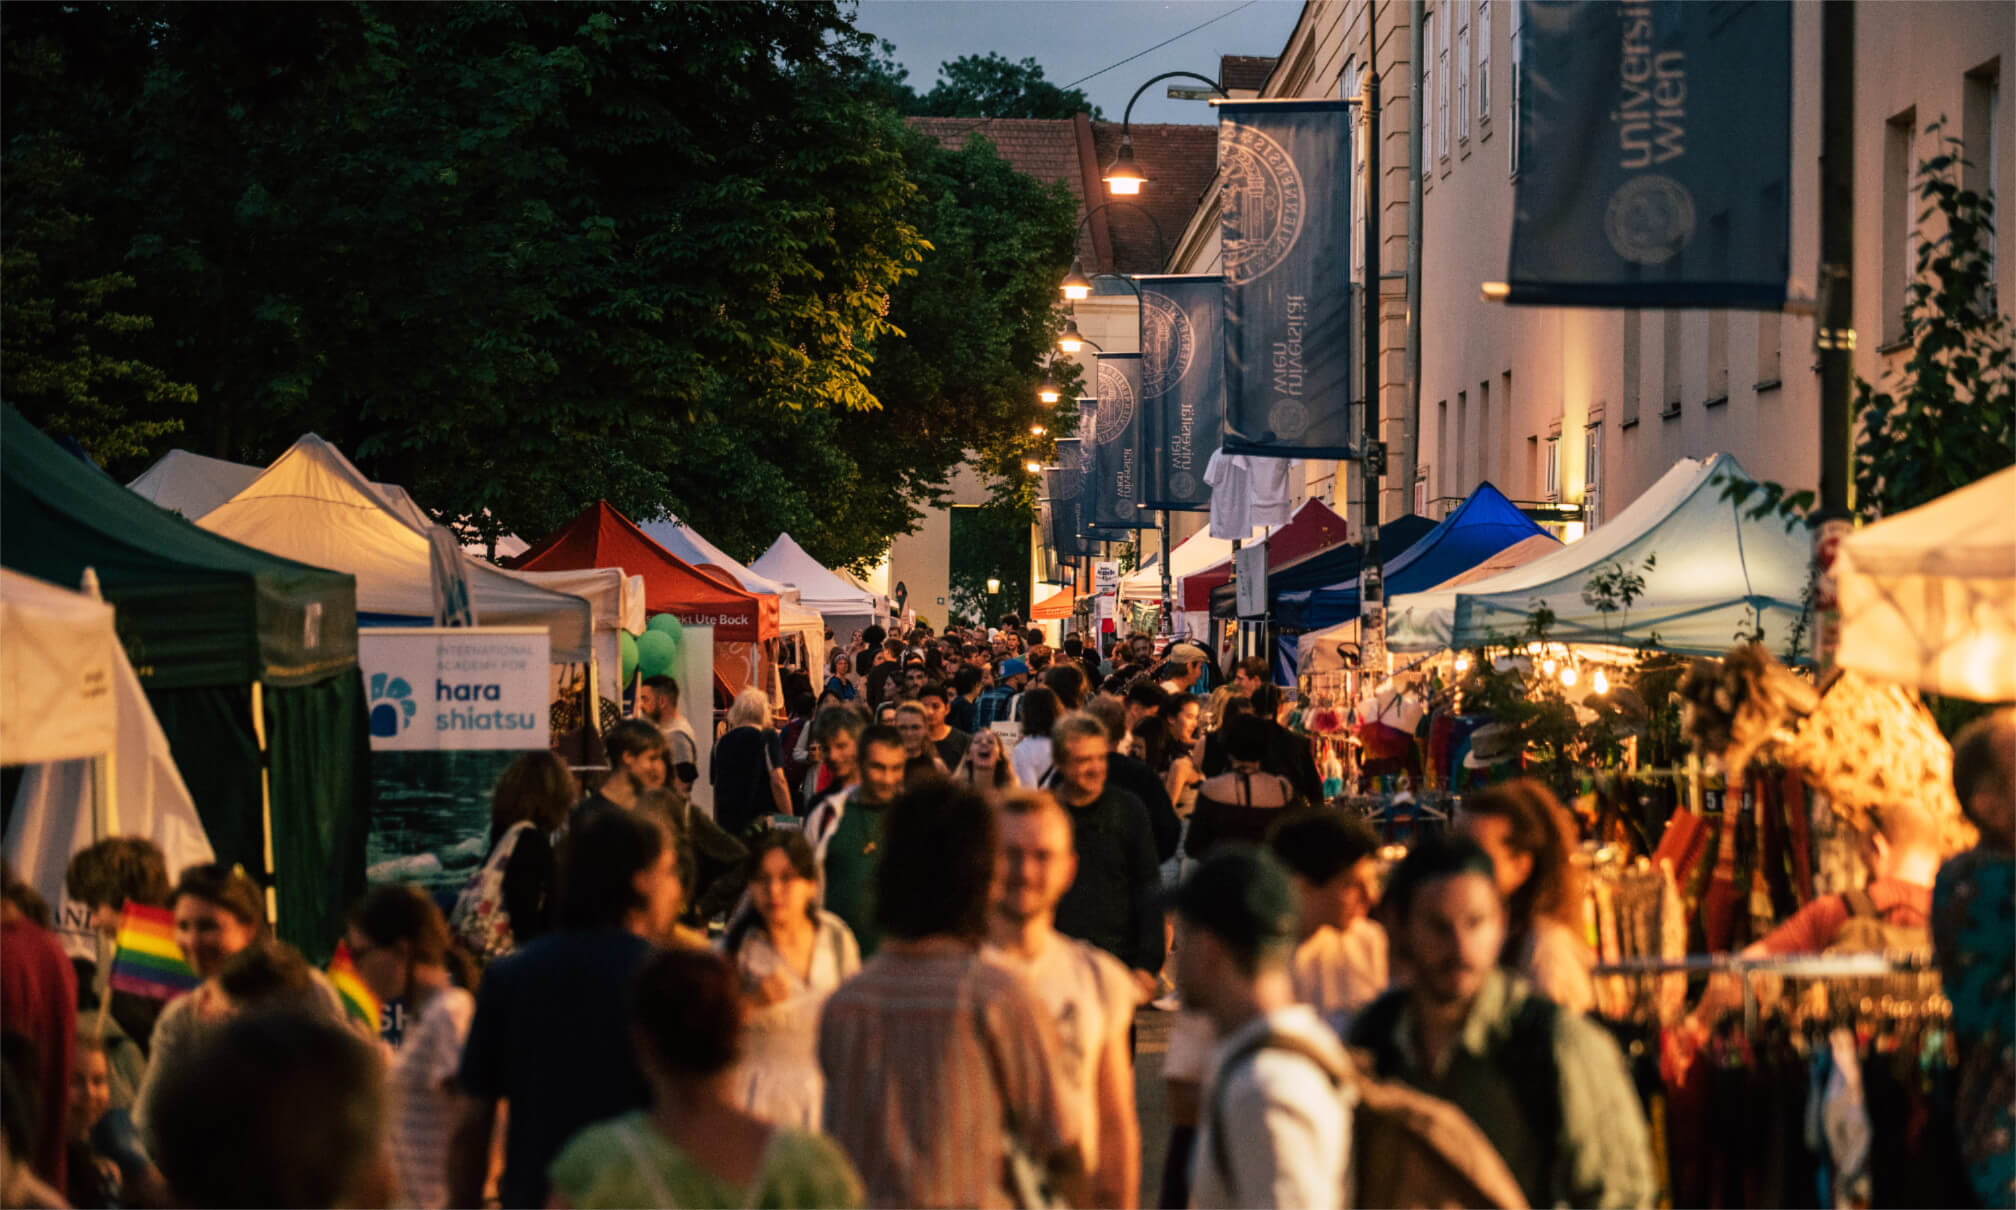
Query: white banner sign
{"points": [[1105, 578], [1249, 574], [483, 687]]}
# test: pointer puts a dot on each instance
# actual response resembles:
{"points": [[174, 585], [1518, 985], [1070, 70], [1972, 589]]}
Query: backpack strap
{"points": [[1324, 1062]]}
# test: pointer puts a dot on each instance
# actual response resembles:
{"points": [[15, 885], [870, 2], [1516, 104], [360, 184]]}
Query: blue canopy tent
{"points": [[1484, 524]]}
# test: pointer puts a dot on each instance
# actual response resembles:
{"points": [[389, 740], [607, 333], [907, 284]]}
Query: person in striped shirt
{"points": [[941, 1068]]}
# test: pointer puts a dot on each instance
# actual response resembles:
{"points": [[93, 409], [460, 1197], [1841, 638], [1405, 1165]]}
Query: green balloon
{"points": [[667, 623], [657, 653], [627, 644]]}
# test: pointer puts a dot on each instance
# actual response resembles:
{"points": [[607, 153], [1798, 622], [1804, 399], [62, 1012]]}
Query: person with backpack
{"points": [[1546, 1086], [1274, 1130], [509, 900]]}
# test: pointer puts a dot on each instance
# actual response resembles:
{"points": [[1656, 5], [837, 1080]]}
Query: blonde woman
{"points": [[987, 768], [748, 769]]}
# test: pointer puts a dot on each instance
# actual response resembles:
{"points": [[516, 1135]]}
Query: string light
{"points": [[1463, 663], [1602, 682], [1568, 675], [1547, 666]]}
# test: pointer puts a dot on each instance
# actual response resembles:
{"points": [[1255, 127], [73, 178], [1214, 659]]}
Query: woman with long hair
{"points": [[791, 953], [1243, 802], [1215, 760], [987, 767], [1527, 832], [1032, 757], [517, 877], [403, 952], [1165, 740]]}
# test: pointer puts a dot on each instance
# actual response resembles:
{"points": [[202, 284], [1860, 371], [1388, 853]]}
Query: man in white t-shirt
{"points": [[1091, 996], [1333, 863], [658, 701]]}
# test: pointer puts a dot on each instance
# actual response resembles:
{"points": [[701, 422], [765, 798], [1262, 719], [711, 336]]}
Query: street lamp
{"points": [[1033, 467], [993, 586], [1076, 285], [1035, 430], [1123, 178], [1049, 392]]}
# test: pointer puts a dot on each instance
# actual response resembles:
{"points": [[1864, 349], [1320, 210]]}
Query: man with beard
{"points": [[1546, 1086], [846, 830], [1087, 991]]}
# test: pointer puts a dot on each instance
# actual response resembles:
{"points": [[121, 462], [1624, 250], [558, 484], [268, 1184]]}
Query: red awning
{"points": [[602, 537], [1314, 527]]}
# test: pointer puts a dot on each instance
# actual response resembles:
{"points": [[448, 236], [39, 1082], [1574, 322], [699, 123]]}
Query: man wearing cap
{"points": [[1186, 664], [1275, 1128], [997, 705], [1548, 1087]]}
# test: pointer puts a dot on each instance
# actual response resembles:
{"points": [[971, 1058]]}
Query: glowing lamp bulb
{"points": [[1070, 343], [1547, 666], [1036, 430], [1033, 468], [1601, 682], [1568, 675], [1076, 292], [1048, 393], [1462, 663]]}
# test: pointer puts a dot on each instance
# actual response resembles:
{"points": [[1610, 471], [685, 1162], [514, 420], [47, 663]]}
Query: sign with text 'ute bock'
{"points": [[1182, 388], [1286, 233], [1655, 144], [432, 689], [1115, 444]]}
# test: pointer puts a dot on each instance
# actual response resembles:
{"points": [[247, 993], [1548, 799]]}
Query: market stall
{"points": [[1928, 597], [1197, 553], [313, 505], [848, 610], [249, 662], [1705, 572]]}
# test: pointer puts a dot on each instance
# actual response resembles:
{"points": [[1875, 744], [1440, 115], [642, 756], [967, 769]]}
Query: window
{"points": [[1592, 474], [1443, 484], [1669, 352], [1485, 446], [1634, 369], [1483, 89], [1442, 66], [1770, 350], [1532, 480], [1428, 82], [1466, 441], [1518, 87], [1899, 219], [1551, 464], [1462, 71], [1981, 102], [1421, 493]]}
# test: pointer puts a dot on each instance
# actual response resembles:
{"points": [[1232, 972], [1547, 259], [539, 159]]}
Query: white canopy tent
{"points": [[1198, 552], [1318, 648], [56, 657], [194, 485], [73, 711], [1717, 573], [313, 506], [848, 610], [1928, 597]]}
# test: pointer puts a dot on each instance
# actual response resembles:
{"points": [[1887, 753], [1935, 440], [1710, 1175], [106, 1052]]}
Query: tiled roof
{"points": [[1045, 148], [1180, 162], [1244, 72]]}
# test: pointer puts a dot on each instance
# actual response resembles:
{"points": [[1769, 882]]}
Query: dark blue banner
{"points": [[1654, 155], [1182, 388], [1066, 533], [1114, 439], [1286, 234]]}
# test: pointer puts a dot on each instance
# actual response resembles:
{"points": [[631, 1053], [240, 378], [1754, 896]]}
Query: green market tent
{"points": [[238, 651]]}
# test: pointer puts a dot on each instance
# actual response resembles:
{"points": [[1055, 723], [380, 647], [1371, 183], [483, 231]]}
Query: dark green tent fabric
{"points": [[321, 792], [203, 618], [193, 608]]}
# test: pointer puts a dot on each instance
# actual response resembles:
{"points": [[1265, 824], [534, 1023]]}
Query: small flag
{"points": [[146, 961], [350, 986]]}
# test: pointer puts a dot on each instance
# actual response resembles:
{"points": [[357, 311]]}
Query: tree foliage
{"points": [[993, 86]]}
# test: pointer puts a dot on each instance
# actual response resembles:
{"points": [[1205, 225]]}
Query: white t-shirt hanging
{"points": [[1231, 496], [1271, 493]]}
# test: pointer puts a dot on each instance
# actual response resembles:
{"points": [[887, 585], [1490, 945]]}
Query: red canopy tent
{"points": [[1314, 527], [602, 537]]}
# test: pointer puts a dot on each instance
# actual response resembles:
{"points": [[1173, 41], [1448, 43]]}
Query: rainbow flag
{"points": [[147, 962], [350, 986]]}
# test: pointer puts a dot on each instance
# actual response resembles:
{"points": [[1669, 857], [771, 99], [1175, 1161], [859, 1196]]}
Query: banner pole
{"points": [[1168, 615], [1372, 589], [1834, 333]]}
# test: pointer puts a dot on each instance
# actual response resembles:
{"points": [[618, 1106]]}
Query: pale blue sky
{"points": [[1074, 38]]}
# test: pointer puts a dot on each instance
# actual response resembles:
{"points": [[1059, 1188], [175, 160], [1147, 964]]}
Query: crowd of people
{"points": [[902, 962]]}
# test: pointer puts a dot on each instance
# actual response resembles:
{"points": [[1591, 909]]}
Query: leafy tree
{"points": [[992, 86]]}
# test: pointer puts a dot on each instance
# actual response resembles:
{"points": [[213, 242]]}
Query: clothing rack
{"points": [[1787, 966]]}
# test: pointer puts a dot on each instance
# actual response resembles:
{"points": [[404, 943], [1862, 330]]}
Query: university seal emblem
{"points": [[1289, 420], [1650, 219], [1263, 203], [1116, 405], [1168, 344]]}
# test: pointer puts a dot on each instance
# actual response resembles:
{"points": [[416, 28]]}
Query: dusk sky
{"points": [[1074, 38]]}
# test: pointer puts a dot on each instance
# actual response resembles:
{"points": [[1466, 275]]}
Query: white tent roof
{"points": [[313, 506], [56, 658], [787, 563], [192, 484], [1717, 572], [1198, 552], [1928, 597], [685, 541]]}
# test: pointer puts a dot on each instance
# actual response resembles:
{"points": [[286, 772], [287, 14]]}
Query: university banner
{"points": [[1286, 233], [1654, 155], [1182, 388], [1114, 482], [1066, 531]]}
